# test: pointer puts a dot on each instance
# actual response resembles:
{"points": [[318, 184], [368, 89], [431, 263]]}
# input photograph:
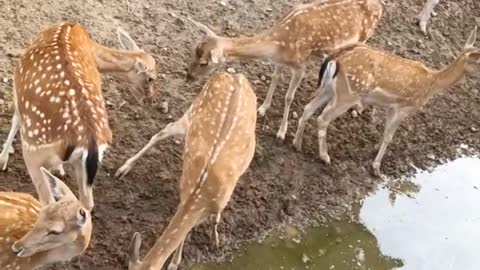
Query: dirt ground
{"points": [[282, 185]]}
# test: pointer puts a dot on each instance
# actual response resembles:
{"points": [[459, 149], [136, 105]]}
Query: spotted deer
{"points": [[363, 75], [311, 29], [32, 235], [425, 14], [219, 146], [59, 104]]}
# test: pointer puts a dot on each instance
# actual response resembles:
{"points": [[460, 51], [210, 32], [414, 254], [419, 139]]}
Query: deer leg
{"points": [[425, 14], [271, 90], [394, 118], [334, 109], [7, 146], [216, 221], [34, 161], [85, 190], [309, 110], [177, 257], [297, 76], [178, 128]]}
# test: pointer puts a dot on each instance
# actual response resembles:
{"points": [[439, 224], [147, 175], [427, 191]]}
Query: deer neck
{"points": [[111, 61], [187, 216], [259, 47], [450, 74]]}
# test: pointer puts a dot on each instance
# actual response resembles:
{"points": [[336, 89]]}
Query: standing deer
{"points": [[59, 103], [32, 236], [425, 14], [311, 29], [363, 75], [219, 146]]}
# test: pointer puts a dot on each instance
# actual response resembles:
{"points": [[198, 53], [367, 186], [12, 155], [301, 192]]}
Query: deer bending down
{"points": [[32, 236], [219, 146], [317, 28], [425, 14], [363, 75], [59, 104]]}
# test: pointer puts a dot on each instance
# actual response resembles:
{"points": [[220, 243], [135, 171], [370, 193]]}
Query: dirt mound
{"points": [[281, 185]]}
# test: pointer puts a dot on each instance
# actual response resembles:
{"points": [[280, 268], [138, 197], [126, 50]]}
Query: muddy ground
{"points": [[281, 186]]}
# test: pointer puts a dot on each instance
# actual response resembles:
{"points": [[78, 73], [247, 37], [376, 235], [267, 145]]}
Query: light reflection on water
{"points": [[436, 229], [430, 222]]}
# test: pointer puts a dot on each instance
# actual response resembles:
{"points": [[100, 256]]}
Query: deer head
{"points": [[61, 222], [207, 55], [472, 56], [142, 73]]}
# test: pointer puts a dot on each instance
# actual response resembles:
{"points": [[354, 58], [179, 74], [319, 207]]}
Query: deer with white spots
{"points": [[32, 236], [363, 75], [425, 14], [59, 103], [219, 133], [311, 29]]}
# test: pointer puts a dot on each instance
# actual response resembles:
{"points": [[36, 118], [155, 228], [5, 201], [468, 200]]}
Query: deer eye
{"points": [[54, 232]]}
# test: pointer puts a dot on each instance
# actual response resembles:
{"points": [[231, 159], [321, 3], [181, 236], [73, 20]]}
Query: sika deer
{"points": [[363, 75], [425, 14], [317, 28], [32, 236], [219, 146], [59, 103]]}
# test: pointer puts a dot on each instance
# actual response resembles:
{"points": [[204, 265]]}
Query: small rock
{"points": [[263, 78], [305, 258], [257, 82], [294, 115], [164, 106], [231, 70], [322, 252], [268, 9], [431, 156], [354, 113], [332, 267], [109, 103], [223, 3], [170, 117], [177, 142], [474, 129], [5, 80]]}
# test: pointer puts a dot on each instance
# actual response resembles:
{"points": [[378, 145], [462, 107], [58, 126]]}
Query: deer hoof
{"points": [[172, 267], [122, 171], [262, 110], [326, 158]]}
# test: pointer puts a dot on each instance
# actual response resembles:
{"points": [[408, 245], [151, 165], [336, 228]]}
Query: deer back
{"points": [[18, 213], [327, 25], [220, 141], [368, 69], [58, 91]]}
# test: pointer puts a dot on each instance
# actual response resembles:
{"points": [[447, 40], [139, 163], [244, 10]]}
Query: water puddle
{"points": [[429, 222]]}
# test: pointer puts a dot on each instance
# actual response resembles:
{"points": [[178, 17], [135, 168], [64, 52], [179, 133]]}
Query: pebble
{"points": [[474, 129], [231, 70], [354, 113], [223, 3], [164, 106], [305, 258], [5, 80], [294, 115], [263, 78]]}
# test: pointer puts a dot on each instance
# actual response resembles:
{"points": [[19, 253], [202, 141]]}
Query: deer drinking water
{"points": [[219, 146], [317, 28], [32, 236], [59, 104], [363, 75]]}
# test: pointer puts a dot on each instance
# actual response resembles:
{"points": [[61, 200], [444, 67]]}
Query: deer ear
{"points": [[216, 56], [126, 41], [56, 187], [471, 39], [134, 250]]}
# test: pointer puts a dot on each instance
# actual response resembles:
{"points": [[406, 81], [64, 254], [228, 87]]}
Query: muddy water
{"points": [[428, 222]]}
